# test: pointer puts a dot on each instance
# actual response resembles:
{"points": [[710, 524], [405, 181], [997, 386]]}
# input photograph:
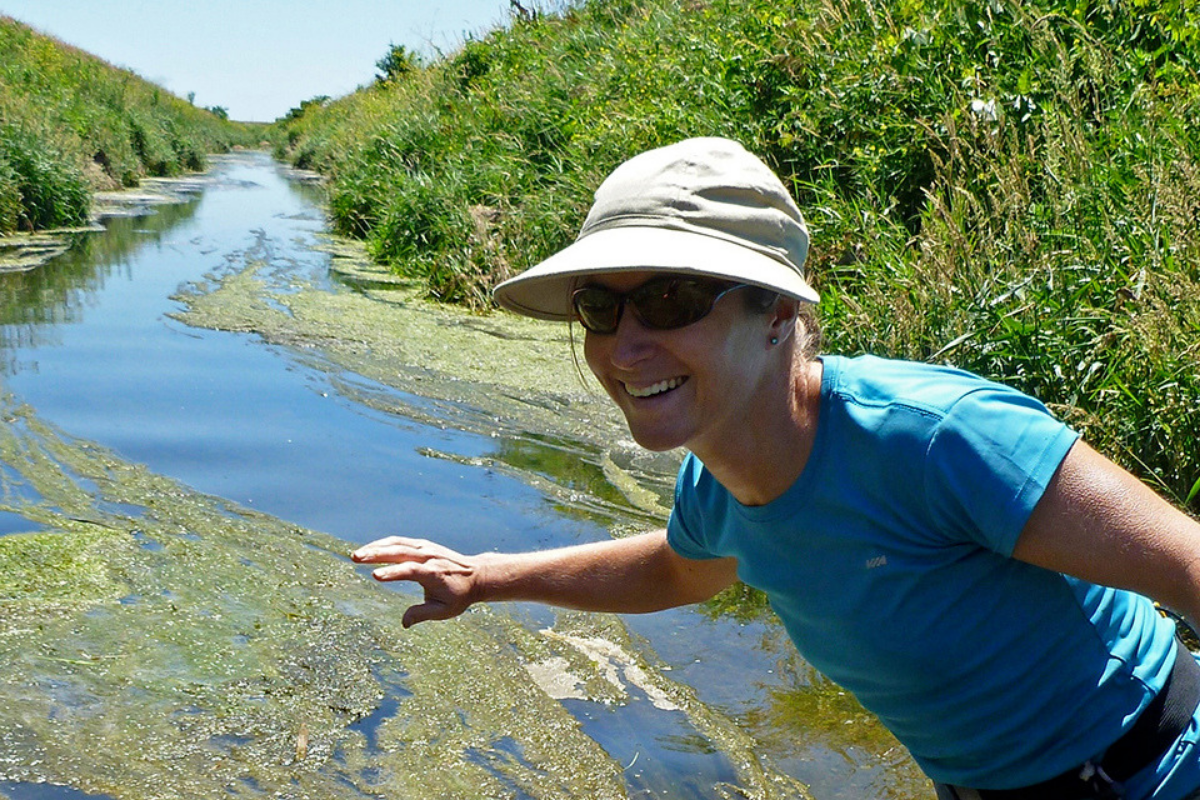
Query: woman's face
{"points": [[690, 386]]}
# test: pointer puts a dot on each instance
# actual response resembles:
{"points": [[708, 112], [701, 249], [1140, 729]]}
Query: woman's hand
{"points": [[447, 577]]}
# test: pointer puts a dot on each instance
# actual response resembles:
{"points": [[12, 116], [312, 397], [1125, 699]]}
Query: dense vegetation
{"points": [[71, 124], [1012, 188]]}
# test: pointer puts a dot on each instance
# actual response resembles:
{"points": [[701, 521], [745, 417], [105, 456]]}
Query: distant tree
{"points": [[219, 111], [305, 105], [191, 98], [396, 63]]}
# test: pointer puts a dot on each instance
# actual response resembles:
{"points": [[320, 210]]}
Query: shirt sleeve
{"points": [[685, 526], [989, 462]]}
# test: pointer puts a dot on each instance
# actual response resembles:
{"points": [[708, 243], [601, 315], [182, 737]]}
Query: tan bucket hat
{"points": [[700, 207]]}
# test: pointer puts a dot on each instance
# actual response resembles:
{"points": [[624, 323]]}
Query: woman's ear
{"points": [[783, 319]]}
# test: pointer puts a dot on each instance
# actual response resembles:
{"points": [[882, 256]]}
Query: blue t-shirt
{"points": [[888, 561]]}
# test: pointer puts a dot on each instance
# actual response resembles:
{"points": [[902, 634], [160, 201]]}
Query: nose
{"points": [[631, 343]]}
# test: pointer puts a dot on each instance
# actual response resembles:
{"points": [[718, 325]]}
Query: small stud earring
{"points": [[774, 340]]}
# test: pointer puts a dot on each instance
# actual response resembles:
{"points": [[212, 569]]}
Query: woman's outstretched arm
{"points": [[634, 575]]}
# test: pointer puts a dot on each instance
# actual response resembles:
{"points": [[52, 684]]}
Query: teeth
{"points": [[656, 388]]}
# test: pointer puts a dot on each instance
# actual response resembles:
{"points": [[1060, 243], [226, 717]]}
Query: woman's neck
{"points": [[774, 443]]}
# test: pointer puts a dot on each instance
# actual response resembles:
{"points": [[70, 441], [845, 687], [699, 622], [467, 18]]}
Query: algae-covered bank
{"points": [[163, 636], [22, 252]]}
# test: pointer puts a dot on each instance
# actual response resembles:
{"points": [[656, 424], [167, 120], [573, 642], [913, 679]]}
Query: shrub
{"points": [[47, 192]]}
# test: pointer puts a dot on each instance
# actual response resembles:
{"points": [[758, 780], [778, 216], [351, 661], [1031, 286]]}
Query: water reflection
{"points": [[32, 302], [578, 468]]}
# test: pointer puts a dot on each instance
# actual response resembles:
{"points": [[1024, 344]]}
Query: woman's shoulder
{"points": [[873, 381]]}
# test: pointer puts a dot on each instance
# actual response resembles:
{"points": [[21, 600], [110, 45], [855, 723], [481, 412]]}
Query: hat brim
{"points": [[543, 291]]}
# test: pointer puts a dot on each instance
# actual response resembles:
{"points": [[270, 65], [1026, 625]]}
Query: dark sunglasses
{"points": [[659, 303]]}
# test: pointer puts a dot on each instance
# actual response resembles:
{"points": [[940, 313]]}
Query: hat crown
{"points": [[708, 186]]}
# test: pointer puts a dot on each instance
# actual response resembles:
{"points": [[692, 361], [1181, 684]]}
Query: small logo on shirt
{"points": [[876, 562]]}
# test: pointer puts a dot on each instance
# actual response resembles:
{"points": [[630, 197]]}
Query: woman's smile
{"points": [[654, 389]]}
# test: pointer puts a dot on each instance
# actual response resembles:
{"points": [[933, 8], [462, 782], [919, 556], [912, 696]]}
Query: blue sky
{"points": [[257, 58]]}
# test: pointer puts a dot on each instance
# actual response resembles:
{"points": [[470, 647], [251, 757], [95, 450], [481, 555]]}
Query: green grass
{"points": [[71, 124], [1009, 188]]}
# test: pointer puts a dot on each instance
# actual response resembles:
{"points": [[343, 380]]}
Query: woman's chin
{"points": [[658, 441]]}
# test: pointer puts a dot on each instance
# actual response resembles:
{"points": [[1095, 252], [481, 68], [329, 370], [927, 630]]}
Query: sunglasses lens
{"points": [[597, 308], [662, 304], [674, 302]]}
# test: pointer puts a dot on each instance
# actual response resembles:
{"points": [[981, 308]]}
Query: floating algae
{"points": [[26, 251], [156, 642]]}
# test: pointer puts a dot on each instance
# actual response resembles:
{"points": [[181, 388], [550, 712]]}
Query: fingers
{"points": [[446, 582], [398, 550], [387, 549], [426, 611], [428, 572]]}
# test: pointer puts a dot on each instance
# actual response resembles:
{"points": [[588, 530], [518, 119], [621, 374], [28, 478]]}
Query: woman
{"points": [[936, 543]]}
